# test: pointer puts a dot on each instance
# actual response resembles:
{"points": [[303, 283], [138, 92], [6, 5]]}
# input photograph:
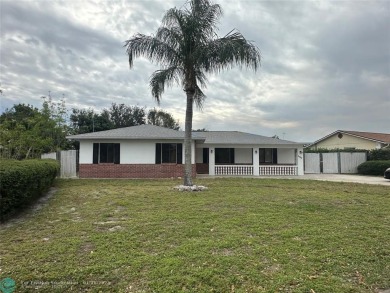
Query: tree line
{"points": [[27, 131]]}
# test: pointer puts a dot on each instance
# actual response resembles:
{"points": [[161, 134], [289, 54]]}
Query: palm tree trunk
{"points": [[188, 139]]}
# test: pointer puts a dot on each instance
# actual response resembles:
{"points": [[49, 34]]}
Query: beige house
{"points": [[342, 139]]}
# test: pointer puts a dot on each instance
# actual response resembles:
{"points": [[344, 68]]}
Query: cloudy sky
{"points": [[325, 64]]}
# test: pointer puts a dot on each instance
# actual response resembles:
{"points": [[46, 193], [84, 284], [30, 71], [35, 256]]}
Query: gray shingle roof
{"points": [[237, 137], [145, 131]]}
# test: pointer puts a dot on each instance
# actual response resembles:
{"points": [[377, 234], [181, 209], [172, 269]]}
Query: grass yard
{"points": [[241, 235]]}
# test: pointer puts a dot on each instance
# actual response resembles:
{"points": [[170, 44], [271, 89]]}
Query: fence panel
{"points": [[350, 161], [67, 160], [330, 163], [68, 164], [49, 156], [312, 163]]}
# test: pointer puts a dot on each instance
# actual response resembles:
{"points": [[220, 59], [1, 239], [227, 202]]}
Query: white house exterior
{"points": [[148, 151]]}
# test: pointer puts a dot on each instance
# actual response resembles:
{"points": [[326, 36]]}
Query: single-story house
{"points": [[148, 151], [342, 139]]}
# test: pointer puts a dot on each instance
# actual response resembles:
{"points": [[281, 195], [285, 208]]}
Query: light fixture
{"points": [[255, 151], [211, 151]]}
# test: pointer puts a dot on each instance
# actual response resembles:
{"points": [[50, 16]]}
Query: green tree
{"points": [[162, 118], [122, 115], [187, 47], [85, 121], [27, 132]]}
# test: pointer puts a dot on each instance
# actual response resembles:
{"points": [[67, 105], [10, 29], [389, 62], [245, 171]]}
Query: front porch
{"points": [[249, 161]]}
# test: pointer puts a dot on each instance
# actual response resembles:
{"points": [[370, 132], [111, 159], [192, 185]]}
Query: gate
{"points": [[330, 163], [333, 163], [312, 163], [350, 161], [67, 160]]}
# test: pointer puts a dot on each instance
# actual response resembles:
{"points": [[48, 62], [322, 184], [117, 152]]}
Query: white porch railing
{"points": [[234, 170], [278, 170]]}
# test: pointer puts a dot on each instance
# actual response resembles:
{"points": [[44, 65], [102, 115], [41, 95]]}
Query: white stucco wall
{"points": [[132, 151], [243, 156], [286, 156], [86, 152], [346, 141], [199, 155], [138, 152]]}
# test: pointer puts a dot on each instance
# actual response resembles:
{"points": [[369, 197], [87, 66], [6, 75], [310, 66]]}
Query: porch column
{"points": [[212, 161], [255, 161], [299, 160]]}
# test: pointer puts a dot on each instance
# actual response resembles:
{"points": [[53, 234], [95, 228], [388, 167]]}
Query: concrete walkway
{"points": [[376, 180]]}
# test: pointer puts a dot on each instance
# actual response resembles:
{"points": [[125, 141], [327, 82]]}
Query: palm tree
{"points": [[187, 47]]}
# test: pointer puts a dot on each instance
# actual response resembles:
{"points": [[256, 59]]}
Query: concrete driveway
{"points": [[377, 180]]}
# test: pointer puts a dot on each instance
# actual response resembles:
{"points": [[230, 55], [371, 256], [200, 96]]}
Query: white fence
{"points": [[278, 170], [237, 170], [234, 170], [333, 163], [312, 163], [350, 161], [68, 161]]}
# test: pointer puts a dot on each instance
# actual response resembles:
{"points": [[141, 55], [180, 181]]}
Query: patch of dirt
{"points": [[33, 209]]}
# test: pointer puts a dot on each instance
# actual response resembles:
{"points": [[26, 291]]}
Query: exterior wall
{"points": [[286, 156], [243, 156], [199, 155], [132, 151], [138, 152], [347, 141], [132, 171], [86, 152]]}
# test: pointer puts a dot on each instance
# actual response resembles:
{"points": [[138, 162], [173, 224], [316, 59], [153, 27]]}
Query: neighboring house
{"points": [[342, 139], [149, 151]]}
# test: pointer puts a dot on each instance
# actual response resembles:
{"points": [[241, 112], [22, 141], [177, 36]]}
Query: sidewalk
{"points": [[377, 180]]}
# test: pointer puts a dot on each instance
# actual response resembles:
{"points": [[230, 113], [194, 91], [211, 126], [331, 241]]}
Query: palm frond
{"points": [[199, 97], [152, 48], [162, 78], [232, 49]]}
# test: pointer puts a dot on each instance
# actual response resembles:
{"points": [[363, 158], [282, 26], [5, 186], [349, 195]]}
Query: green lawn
{"points": [[241, 235]]}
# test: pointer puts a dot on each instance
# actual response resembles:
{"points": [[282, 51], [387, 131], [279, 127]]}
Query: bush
{"points": [[22, 182], [379, 155], [323, 150], [373, 167]]}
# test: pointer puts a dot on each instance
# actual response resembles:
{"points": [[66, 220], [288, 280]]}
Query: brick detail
{"points": [[202, 168], [133, 170]]}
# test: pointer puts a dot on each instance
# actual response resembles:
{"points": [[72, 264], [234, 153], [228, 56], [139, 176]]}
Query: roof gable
{"points": [[372, 136]]}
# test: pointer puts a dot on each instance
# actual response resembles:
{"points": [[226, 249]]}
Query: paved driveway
{"points": [[378, 180]]}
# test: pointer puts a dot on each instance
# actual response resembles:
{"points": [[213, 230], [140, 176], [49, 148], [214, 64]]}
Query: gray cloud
{"points": [[325, 66]]}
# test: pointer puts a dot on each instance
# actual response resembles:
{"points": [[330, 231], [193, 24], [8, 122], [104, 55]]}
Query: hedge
{"points": [[22, 182], [373, 167], [379, 155]]}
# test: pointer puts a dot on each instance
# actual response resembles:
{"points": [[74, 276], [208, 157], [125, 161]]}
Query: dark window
{"points": [[106, 153], [224, 156], [169, 153], [205, 155], [268, 156]]}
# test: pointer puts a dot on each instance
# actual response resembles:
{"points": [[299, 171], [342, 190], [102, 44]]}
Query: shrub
{"points": [[373, 167], [323, 150], [379, 155], [22, 182]]}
